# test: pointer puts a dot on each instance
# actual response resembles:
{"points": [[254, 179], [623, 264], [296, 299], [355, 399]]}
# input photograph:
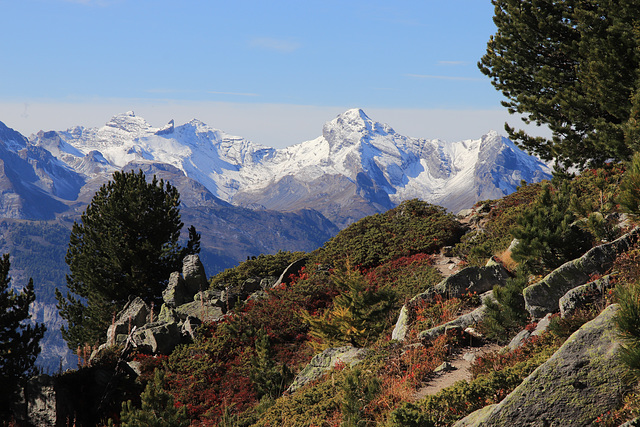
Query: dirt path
{"points": [[446, 265], [459, 372]]}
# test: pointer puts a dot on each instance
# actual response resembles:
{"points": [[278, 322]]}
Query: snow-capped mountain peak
{"points": [[353, 127], [354, 151], [129, 122]]}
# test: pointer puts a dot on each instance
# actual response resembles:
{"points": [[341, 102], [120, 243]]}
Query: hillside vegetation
{"points": [[349, 295]]}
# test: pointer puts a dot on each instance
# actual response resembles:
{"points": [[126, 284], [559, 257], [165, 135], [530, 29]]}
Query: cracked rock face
{"points": [[581, 381]]}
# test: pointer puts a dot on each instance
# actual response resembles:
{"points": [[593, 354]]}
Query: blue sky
{"points": [[271, 71]]}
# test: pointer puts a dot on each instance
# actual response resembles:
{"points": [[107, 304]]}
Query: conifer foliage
{"points": [[573, 66], [158, 408], [547, 237], [126, 244], [629, 197], [19, 339], [357, 316]]}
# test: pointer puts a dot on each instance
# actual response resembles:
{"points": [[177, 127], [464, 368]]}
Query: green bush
{"points": [[507, 315], [627, 320], [476, 248], [629, 197], [157, 410], [411, 228], [358, 314], [547, 237], [260, 266]]}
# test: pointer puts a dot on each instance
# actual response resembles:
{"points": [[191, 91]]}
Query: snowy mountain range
{"points": [[356, 168], [244, 198]]}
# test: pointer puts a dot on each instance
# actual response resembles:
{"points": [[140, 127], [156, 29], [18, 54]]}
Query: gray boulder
{"points": [[472, 279], [182, 287], [168, 315], [543, 297], [476, 418], [194, 276], [461, 323], [251, 285], [525, 334], [41, 401], [581, 381], [292, 269], [205, 311], [519, 339], [135, 313], [402, 325], [158, 338], [325, 361], [583, 296], [175, 293], [189, 327]]}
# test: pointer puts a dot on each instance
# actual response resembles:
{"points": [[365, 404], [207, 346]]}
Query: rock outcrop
{"points": [[543, 297], [461, 322], [581, 381], [584, 295], [480, 280], [325, 361]]}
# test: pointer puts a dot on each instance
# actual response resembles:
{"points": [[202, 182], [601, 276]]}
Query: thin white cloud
{"points": [[234, 93], [277, 45], [429, 76]]}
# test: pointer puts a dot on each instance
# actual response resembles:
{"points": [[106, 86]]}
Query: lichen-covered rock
{"points": [[158, 337], [519, 339], [251, 285], [194, 276], [168, 315], [582, 296], [323, 362], [461, 323], [203, 310], [41, 401], [480, 280], [543, 297], [189, 326], [173, 294], [581, 381], [472, 279], [268, 282], [135, 313], [402, 325], [476, 418]]}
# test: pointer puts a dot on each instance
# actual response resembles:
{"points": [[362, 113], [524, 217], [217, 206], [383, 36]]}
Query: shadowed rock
{"points": [[543, 297]]}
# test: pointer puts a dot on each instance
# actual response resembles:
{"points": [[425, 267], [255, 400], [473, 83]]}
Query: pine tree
{"points": [[126, 243], [506, 314], [157, 410], [358, 314], [19, 339], [629, 197], [269, 377], [573, 66], [358, 391], [547, 237]]}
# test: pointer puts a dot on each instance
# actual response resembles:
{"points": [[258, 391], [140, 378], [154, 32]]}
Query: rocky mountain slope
{"points": [[244, 198], [356, 168]]}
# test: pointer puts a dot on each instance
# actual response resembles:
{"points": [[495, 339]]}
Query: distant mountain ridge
{"points": [[356, 168], [244, 198]]}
